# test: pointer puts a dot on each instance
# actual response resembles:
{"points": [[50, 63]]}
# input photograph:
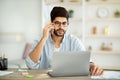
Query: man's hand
{"points": [[47, 30], [95, 70]]}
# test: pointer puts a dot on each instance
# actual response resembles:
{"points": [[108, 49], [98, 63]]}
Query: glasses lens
{"points": [[64, 23], [57, 23]]}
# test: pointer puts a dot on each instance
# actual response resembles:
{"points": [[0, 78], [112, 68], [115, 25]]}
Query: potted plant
{"points": [[61, 0], [71, 13], [117, 13], [87, 0]]}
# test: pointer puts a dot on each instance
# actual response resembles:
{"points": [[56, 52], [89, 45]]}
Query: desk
{"points": [[38, 75]]}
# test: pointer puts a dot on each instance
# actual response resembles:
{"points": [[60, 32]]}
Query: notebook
{"points": [[70, 64]]}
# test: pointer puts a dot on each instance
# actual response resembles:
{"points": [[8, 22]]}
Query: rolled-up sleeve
{"points": [[32, 65]]}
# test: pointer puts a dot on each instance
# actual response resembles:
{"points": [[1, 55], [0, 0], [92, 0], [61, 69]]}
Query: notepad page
{"points": [[108, 75], [3, 73]]}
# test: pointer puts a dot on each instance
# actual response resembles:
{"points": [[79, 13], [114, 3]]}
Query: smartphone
{"points": [[52, 31]]}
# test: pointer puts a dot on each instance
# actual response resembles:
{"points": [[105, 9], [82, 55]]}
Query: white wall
{"points": [[21, 16]]}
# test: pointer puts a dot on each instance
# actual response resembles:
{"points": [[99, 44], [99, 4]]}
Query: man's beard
{"points": [[59, 34]]}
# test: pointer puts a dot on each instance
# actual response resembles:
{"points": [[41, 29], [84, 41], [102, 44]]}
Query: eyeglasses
{"points": [[57, 23]]}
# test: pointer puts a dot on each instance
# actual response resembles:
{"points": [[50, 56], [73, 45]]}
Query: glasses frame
{"points": [[58, 23]]}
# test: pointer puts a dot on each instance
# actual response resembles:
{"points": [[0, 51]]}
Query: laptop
{"points": [[70, 64]]}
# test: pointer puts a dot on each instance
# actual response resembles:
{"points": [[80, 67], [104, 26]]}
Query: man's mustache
{"points": [[60, 29]]}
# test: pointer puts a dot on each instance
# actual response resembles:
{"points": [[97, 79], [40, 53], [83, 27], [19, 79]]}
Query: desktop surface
{"points": [[38, 75], [42, 75]]}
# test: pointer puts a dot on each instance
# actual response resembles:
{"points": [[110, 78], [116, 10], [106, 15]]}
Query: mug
{"points": [[3, 64]]}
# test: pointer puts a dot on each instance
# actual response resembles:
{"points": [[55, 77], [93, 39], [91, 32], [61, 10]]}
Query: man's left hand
{"points": [[95, 70]]}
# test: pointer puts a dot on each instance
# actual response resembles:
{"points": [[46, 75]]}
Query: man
{"points": [[55, 38]]}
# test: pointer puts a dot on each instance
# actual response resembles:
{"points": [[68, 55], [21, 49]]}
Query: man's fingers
{"points": [[98, 71], [93, 71], [49, 27], [102, 71]]}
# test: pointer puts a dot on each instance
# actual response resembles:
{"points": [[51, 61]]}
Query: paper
{"points": [[29, 76], [108, 75], [3, 73]]}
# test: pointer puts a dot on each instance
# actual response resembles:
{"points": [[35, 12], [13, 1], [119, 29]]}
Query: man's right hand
{"points": [[47, 29]]}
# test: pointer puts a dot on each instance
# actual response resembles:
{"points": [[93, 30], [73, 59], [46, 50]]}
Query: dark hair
{"points": [[59, 12]]}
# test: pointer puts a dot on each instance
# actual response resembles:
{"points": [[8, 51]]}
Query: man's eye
{"points": [[57, 22], [64, 23]]}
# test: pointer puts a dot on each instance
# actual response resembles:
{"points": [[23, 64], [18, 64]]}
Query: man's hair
{"points": [[59, 12]]}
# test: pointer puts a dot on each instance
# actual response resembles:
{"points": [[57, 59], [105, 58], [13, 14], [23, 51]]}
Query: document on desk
{"points": [[108, 75], [3, 73]]}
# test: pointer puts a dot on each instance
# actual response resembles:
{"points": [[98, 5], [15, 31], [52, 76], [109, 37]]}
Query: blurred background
{"points": [[95, 22]]}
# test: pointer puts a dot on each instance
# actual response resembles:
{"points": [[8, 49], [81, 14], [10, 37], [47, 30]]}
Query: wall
{"points": [[19, 16]]}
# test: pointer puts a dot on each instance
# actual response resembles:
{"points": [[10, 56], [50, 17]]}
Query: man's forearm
{"points": [[36, 53]]}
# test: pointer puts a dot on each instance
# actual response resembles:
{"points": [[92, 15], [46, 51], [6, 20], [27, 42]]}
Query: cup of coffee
{"points": [[3, 63]]}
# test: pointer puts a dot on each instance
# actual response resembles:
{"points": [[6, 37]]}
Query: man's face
{"points": [[60, 26]]}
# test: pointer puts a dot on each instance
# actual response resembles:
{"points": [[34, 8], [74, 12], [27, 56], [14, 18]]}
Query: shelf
{"points": [[103, 36], [11, 37], [102, 19], [64, 3], [9, 33], [102, 2], [75, 19], [95, 19], [110, 67], [105, 52]]}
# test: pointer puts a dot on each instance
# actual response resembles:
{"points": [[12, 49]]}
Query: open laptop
{"points": [[70, 64]]}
